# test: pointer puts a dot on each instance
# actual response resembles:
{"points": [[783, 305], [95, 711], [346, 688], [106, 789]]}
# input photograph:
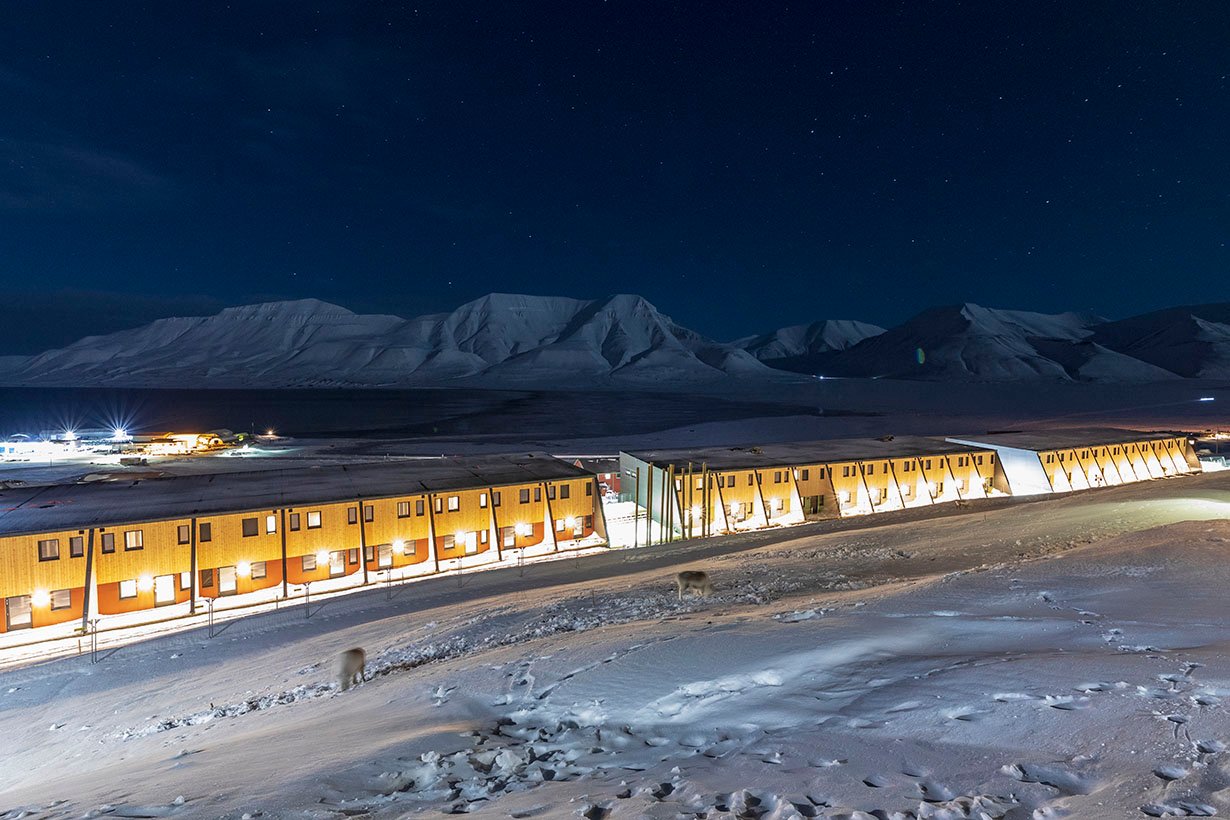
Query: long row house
{"points": [[705, 491], [72, 552]]}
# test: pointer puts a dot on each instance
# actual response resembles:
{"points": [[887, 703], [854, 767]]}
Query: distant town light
{"points": [[1207, 398], [69, 435], [119, 434]]}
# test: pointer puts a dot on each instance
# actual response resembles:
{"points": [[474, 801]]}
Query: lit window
{"points": [[76, 546], [454, 503], [128, 589], [185, 580], [308, 562], [183, 534], [352, 515], [271, 523], [449, 541], [369, 512], [259, 569], [61, 599], [133, 540], [49, 549], [418, 507], [403, 509], [313, 521], [482, 501], [293, 522]]}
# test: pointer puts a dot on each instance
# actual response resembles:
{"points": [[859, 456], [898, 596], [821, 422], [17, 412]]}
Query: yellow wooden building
{"points": [[703, 491], [1062, 460], [68, 552]]}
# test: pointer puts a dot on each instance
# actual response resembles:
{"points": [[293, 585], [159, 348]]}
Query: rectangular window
{"points": [[352, 515], [107, 542], [250, 527], [185, 580], [482, 536], [76, 546], [133, 540], [271, 524], [353, 556], [508, 536], [403, 509], [454, 503], [805, 474], [928, 465], [525, 496], [551, 490], [482, 501], [777, 477], [495, 498], [206, 533], [386, 556], [559, 525], [369, 512], [207, 578], [259, 570], [314, 520], [49, 549], [538, 493], [128, 589], [308, 563], [979, 459], [369, 553], [845, 472], [565, 491], [751, 479], [589, 488], [438, 503], [871, 469], [183, 534], [293, 523], [418, 507], [449, 541], [589, 522]]}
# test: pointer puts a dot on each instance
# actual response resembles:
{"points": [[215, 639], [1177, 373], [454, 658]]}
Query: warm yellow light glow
{"points": [[243, 569], [696, 511], [399, 546], [571, 523], [145, 583], [41, 598], [322, 557], [523, 529]]}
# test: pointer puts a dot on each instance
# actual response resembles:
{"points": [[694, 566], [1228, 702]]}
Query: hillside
{"points": [[498, 339]]}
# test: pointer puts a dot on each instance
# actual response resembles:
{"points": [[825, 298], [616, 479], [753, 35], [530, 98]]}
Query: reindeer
{"points": [[694, 580], [353, 665]]}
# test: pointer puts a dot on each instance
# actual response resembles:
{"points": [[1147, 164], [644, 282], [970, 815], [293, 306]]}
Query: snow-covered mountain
{"points": [[1192, 341], [791, 348], [969, 342], [498, 339]]}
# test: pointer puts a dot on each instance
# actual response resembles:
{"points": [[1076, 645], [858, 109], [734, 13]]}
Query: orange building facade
{"points": [[74, 552]]}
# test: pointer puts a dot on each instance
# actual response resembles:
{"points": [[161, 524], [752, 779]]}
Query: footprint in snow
{"points": [[1065, 703], [1169, 772], [1179, 808], [1209, 746]]}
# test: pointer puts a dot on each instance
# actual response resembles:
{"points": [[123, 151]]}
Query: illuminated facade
{"points": [[70, 552]]}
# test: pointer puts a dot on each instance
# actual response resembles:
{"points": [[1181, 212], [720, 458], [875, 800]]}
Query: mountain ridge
{"points": [[509, 340]]}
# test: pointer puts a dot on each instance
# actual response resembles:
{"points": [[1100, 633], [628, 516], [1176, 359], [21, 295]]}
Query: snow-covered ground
{"points": [[1065, 657]]}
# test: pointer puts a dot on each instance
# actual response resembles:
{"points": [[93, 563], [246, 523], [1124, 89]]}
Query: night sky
{"points": [[743, 165]]}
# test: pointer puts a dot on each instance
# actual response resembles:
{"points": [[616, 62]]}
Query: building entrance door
{"points": [[18, 612], [337, 564], [226, 580], [164, 590]]}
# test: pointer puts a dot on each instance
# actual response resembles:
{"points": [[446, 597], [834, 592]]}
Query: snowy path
{"points": [[1035, 660]]}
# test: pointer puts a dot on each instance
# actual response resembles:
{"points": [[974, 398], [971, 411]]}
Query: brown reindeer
{"points": [[353, 666]]}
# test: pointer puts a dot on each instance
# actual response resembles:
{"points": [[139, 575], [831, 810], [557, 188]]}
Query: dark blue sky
{"points": [[742, 165]]}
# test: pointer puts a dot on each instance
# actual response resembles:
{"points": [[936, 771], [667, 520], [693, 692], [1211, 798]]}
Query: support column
{"points": [[89, 606], [431, 530], [550, 525]]}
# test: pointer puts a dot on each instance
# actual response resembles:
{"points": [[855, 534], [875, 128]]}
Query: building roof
{"points": [[26, 510], [1061, 439], [799, 453]]}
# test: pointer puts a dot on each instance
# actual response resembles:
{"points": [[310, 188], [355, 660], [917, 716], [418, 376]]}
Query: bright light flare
{"points": [[243, 569], [145, 583], [41, 598]]}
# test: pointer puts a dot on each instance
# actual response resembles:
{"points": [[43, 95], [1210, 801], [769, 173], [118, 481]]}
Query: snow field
{"points": [[1046, 660]]}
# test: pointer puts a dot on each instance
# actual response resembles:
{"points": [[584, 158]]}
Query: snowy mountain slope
{"points": [[806, 340], [498, 339], [968, 343], [1192, 341]]}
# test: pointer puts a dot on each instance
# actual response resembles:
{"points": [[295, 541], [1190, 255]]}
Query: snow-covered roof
{"points": [[59, 507], [798, 453], [1059, 439]]}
